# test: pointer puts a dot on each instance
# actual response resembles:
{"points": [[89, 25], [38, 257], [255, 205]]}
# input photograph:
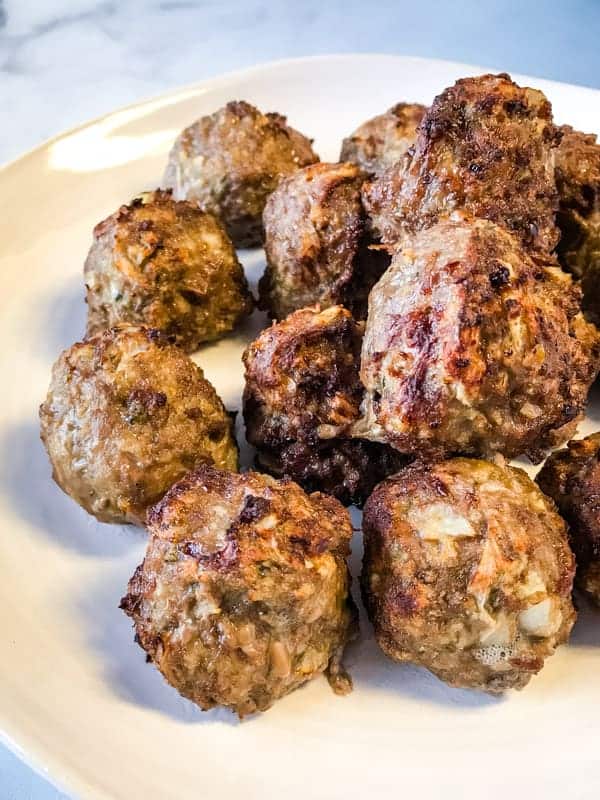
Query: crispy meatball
{"points": [[578, 182], [384, 140], [473, 346], [315, 242], [168, 265], [571, 477], [484, 146], [467, 572], [128, 414], [243, 595], [302, 395], [231, 161]]}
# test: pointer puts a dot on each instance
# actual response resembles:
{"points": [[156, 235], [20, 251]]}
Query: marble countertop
{"points": [[64, 61]]}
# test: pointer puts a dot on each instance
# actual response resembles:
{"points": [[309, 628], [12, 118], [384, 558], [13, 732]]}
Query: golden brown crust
{"points": [[128, 414], [571, 477], [485, 147], [244, 591], [473, 346], [315, 242], [467, 572], [229, 163], [168, 265], [302, 394], [384, 140]]}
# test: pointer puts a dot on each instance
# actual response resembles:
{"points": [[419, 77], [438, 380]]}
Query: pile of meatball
{"points": [[433, 299]]}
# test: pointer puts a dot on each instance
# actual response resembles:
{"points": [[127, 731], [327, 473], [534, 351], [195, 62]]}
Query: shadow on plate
{"points": [[65, 316], [111, 637], [586, 632], [38, 501]]}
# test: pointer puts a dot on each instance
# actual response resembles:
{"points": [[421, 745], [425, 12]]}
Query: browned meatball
{"points": [[302, 395], [473, 346], [316, 246], [571, 477], [467, 572], [168, 265], [243, 595], [578, 182], [128, 414], [484, 146], [384, 140], [231, 161]]}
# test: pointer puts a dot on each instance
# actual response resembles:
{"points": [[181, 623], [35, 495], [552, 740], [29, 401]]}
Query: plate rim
{"points": [[20, 743]]}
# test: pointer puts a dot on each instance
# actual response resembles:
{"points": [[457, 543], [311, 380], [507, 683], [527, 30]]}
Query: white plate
{"points": [[77, 700]]}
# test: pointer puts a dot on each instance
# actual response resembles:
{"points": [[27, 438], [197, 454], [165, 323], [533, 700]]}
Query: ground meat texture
{"points": [[302, 394], [168, 265], [384, 140], [231, 161], [126, 416], [578, 182], [571, 477], [474, 346], [348, 469], [484, 146], [243, 595], [315, 242], [467, 572]]}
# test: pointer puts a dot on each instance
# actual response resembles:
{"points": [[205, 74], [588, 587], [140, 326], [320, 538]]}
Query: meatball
{"points": [[128, 414], [168, 265], [231, 161], [467, 572], [384, 140], [302, 394], [578, 182], [317, 251], [473, 346], [484, 146], [571, 477], [243, 595]]}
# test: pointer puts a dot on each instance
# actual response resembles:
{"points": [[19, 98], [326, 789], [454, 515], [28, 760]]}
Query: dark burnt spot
{"points": [[402, 600], [420, 328], [254, 508], [219, 560], [143, 403], [155, 336], [515, 107], [499, 277], [193, 298], [145, 225], [309, 545], [475, 168], [193, 413], [460, 362], [512, 307]]}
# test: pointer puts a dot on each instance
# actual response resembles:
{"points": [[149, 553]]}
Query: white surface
{"points": [[63, 62], [75, 693]]}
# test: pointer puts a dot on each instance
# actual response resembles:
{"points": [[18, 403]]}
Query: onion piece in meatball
{"points": [[167, 265], [486, 147], [230, 162], [302, 395], [244, 593], [384, 140], [467, 572], [571, 477], [127, 414], [316, 245], [473, 346]]}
